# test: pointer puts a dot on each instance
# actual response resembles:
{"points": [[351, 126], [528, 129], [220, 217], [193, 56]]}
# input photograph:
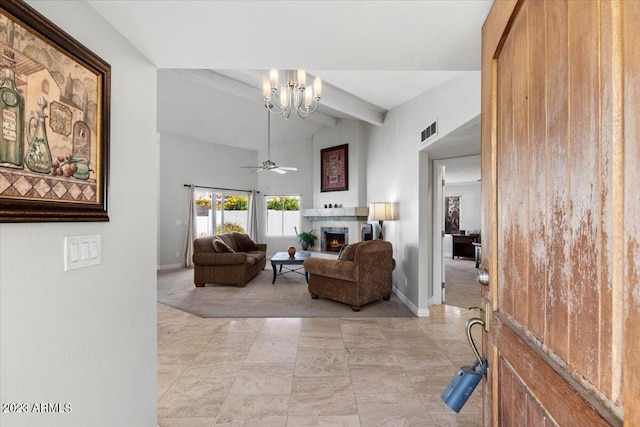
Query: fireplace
{"points": [[333, 238]]}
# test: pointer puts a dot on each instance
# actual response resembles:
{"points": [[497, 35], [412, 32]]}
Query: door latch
{"points": [[485, 311]]}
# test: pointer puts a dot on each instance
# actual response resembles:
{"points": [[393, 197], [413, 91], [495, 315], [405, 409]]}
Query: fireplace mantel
{"points": [[337, 214]]}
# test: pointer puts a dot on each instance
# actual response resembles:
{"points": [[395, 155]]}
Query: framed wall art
{"points": [[452, 214], [334, 167], [54, 118]]}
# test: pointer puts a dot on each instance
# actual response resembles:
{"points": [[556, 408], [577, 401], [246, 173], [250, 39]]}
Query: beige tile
{"points": [[247, 409], [409, 339], [220, 358], [281, 327], [399, 323], [458, 351], [319, 421], [268, 421], [321, 340], [435, 405], [232, 341], [322, 396], [430, 382], [378, 356], [414, 359], [359, 331], [167, 375], [186, 422], [322, 363], [453, 420], [194, 397], [177, 358], [320, 324], [272, 352], [264, 379], [380, 380], [242, 325], [392, 410]]}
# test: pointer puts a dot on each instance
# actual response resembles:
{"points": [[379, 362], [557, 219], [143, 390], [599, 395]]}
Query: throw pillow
{"points": [[349, 252], [244, 242], [221, 246]]}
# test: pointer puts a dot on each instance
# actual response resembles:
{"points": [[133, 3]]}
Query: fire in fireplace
{"points": [[333, 238]]}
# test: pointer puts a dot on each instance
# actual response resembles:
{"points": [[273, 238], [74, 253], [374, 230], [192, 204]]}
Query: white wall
{"points": [[186, 161], [354, 133], [398, 171], [88, 337]]}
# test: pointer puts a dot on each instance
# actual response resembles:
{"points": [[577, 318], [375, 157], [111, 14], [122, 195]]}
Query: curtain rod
{"points": [[218, 188]]}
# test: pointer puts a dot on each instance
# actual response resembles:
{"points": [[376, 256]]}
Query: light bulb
{"points": [[266, 88], [308, 96], [274, 78], [302, 78], [317, 86]]}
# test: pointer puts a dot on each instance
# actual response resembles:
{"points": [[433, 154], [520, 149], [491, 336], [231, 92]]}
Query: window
{"points": [[231, 212], [283, 215]]}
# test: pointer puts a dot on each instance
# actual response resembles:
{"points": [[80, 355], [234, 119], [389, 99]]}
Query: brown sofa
{"points": [[227, 259], [360, 275]]}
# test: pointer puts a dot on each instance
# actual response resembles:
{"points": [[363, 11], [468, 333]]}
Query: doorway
{"points": [[457, 207]]}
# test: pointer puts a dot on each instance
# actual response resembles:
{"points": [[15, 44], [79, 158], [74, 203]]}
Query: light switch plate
{"points": [[82, 251]]}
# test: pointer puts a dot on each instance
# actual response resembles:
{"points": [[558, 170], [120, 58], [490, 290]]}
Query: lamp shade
{"points": [[380, 211]]}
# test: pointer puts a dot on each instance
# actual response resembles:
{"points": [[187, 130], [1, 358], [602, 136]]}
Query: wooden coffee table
{"points": [[284, 260]]}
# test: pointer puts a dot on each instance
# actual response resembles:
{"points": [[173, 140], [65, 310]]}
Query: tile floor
{"points": [[292, 372]]}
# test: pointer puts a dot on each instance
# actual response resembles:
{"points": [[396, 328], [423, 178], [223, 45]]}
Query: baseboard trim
{"points": [[169, 266], [415, 310]]}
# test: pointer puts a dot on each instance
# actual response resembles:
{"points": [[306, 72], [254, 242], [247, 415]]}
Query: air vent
{"points": [[429, 131]]}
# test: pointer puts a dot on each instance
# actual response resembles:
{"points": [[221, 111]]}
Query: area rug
{"points": [[288, 297], [461, 288]]}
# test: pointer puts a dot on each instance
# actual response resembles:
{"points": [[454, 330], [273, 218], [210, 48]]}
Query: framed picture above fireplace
{"points": [[334, 167]]}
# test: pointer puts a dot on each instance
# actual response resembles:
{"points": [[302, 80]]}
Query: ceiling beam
{"points": [[240, 89], [332, 97]]}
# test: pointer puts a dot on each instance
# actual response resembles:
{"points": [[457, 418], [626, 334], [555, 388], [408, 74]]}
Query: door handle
{"points": [[482, 276]]}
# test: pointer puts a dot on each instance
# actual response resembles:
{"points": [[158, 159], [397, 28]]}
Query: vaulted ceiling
{"points": [[372, 55]]}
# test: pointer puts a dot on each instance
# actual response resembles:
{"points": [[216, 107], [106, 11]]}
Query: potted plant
{"points": [[307, 239], [203, 206]]}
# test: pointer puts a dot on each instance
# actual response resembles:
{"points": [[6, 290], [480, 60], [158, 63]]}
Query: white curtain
{"points": [[253, 216], [191, 229]]}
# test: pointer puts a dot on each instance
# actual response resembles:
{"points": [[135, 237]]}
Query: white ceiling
{"points": [[372, 55], [385, 52]]}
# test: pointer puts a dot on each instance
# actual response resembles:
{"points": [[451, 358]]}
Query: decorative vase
{"points": [[304, 245], [291, 251]]}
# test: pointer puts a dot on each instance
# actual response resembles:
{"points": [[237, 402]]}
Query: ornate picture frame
{"points": [[334, 168], [54, 122]]}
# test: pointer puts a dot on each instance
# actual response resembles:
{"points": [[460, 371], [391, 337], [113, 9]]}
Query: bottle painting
{"points": [[38, 158], [11, 116]]}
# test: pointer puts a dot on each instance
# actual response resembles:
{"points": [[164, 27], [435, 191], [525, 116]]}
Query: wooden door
{"points": [[561, 212]]}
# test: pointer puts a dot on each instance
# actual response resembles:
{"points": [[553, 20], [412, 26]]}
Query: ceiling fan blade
{"points": [[278, 170], [288, 168], [250, 167]]}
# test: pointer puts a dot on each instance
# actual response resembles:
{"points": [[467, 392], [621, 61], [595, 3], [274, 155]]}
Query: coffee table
{"points": [[284, 260]]}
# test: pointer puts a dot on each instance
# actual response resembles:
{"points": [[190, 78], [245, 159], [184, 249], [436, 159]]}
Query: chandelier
{"points": [[295, 94]]}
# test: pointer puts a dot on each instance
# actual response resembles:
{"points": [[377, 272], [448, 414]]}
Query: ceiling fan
{"points": [[269, 165]]}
